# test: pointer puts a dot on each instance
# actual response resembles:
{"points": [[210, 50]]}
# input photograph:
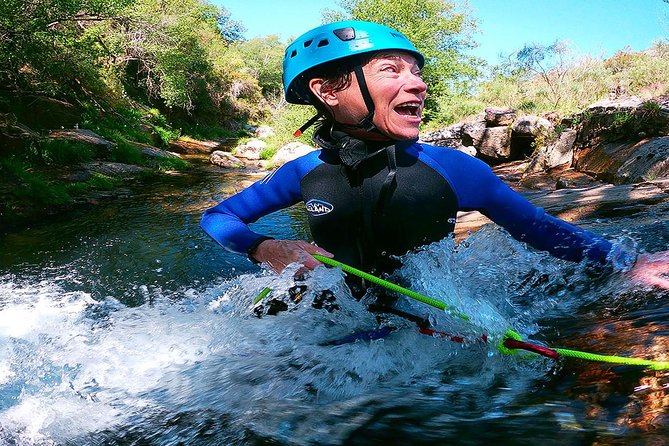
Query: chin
{"points": [[404, 135]]}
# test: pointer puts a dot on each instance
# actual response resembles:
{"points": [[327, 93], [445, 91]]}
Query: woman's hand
{"points": [[652, 269], [280, 253]]}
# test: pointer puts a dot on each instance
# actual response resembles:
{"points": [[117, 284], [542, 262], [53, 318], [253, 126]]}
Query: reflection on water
{"points": [[128, 325]]}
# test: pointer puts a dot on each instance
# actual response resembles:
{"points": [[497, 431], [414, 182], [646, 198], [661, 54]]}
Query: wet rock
{"points": [[225, 159], [111, 169], [626, 163]]}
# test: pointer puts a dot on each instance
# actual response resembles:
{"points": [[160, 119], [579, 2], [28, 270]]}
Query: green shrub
{"points": [[60, 152], [165, 164], [127, 153], [286, 119]]}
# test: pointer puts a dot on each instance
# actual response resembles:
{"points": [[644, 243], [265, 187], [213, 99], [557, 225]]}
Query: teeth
{"points": [[409, 108]]}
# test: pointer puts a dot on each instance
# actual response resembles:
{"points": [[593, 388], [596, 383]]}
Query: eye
{"points": [[389, 68]]}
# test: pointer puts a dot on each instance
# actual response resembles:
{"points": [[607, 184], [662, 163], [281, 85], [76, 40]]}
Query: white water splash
{"points": [[76, 368]]}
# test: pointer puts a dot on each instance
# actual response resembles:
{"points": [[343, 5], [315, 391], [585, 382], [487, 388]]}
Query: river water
{"points": [[126, 325]]}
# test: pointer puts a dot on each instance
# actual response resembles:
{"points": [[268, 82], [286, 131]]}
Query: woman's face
{"points": [[395, 85]]}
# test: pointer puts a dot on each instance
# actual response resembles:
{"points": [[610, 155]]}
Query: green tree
{"points": [[263, 58], [549, 63], [44, 45], [440, 31], [176, 55]]}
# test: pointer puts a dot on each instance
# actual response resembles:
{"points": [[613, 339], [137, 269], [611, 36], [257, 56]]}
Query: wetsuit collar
{"points": [[352, 151]]}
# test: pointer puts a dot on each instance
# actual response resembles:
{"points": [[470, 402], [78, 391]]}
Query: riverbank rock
{"points": [[291, 151], [556, 153], [189, 146], [14, 136], [495, 117], [102, 146], [153, 152], [226, 160], [250, 150], [40, 112], [112, 169], [496, 136], [264, 131], [626, 163]]}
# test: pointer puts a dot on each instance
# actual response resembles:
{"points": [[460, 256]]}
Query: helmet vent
{"points": [[345, 34], [308, 43], [293, 54], [323, 43]]}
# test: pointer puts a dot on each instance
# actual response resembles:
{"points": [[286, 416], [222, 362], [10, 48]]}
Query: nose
{"points": [[415, 84]]}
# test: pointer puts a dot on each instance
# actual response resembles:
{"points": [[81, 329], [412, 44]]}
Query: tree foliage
{"points": [[263, 58], [171, 54], [549, 63], [439, 30]]}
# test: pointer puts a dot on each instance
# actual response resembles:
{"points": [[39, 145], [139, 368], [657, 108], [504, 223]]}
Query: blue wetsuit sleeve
{"points": [[478, 188], [227, 222]]}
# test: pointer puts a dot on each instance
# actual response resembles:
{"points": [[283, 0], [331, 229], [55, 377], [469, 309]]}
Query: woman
{"points": [[373, 193]]}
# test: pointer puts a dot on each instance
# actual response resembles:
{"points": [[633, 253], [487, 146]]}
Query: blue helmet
{"points": [[336, 41]]}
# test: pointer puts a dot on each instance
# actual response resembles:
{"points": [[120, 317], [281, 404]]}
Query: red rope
{"points": [[544, 351], [441, 334]]}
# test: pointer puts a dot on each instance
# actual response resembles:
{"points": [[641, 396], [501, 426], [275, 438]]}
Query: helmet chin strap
{"points": [[366, 123]]}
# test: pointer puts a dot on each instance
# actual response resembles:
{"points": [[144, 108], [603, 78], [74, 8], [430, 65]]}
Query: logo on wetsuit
{"points": [[318, 207]]}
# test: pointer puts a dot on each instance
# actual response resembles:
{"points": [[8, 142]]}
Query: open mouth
{"points": [[412, 109]]}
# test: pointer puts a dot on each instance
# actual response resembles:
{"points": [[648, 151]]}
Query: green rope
{"points": [[389, 285], [611, 359], [655, 365], [262, 295], [503, 349]]}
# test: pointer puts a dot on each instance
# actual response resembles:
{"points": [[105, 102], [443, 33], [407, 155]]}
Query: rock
{"points": [[495, 117], [14, 136], [619, 104], [112, 169], [524, 133], [225, 159], [251, 149], [450, 136], [264, 131], [530, 126], [469, 150], [553, 117], [83, 136], [472, 133], [191, 146], [554, 154], [150, 151], [495, 144], [103, 147], [625, 163], [291, 151], [40, 112]]}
